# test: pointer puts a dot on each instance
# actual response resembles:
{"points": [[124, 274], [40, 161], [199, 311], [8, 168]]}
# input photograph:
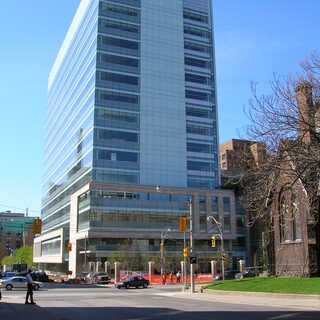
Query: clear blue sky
{"points": [[254, 39]]}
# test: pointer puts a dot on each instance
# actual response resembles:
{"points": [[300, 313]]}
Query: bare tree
{"points": [[286, 124]]}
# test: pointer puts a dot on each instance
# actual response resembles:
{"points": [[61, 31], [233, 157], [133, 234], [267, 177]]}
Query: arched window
{"points": [[284, 220], [296, 218]]}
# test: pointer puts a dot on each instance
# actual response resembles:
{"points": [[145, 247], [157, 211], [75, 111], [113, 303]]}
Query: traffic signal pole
{"points": [[191, 247]]}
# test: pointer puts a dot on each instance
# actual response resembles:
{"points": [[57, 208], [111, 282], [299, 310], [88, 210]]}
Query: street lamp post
{"points": [[163, 235], [220, 234]]}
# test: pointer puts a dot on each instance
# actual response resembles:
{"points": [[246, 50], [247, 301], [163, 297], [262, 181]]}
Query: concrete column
{"points": [[242, 265], [213, 267], [183, 271], [91, 266], [116, 272], [106, 264], [151, 270], [98, 266]]}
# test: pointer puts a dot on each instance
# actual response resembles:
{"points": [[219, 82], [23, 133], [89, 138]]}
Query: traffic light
{"points": [[183, 224], [161, 246], [185, 252], [37, 224], [213, 241], [69, 246]]}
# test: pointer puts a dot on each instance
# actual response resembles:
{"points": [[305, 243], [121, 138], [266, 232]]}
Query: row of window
{"points": [[113, 135], [116, 10], [110, 117], [122, 43], [200, 113], [200, 166], [198, 79], [199, 147], [197, 47], [197, 63], [118, 78], [199, 95], [118, 97], [195, 17], [198, 129], [134, 3], [113, 59], [100, 175], [114, 155], [117, 26], [197, 32]]}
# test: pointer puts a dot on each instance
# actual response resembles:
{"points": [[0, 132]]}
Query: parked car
{"points": [[228, 274], [245, 274], [36, 276], [7, 274], [134, 282], [101, 277], [18, 283]]}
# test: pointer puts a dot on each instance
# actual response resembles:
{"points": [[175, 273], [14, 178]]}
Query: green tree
{"points": [[22, 255]]}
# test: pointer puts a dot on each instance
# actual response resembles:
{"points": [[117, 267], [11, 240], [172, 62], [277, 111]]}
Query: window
{"points": [[284, 220], [226, 204], [296, 218], [116, 25]]}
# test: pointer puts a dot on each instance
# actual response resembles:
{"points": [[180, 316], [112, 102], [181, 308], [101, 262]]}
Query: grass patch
{"points": [[270, 284]]}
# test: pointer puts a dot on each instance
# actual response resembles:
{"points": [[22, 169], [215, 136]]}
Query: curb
{"points": [[262, 294]]}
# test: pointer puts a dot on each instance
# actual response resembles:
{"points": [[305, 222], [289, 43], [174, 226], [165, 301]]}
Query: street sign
{"points": [[193, 260]]}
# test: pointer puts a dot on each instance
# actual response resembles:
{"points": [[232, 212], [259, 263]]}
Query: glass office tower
{"points": [[131, 105]]}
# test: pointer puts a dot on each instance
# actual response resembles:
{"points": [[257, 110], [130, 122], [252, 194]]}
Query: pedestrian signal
{"points": [[213, 241], [69, 246]]}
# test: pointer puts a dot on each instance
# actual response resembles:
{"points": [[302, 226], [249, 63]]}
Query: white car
{"points": [[18, 283]]}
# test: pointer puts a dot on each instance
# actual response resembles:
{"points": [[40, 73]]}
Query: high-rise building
{"points": [[131, 105]]}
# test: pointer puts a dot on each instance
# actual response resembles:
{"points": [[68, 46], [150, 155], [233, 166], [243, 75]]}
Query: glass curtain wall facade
{"points": [[131, 101]]}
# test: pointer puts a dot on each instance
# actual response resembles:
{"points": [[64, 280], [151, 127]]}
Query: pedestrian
{"points": [[30, 288], [178, 275], [171, 277]]}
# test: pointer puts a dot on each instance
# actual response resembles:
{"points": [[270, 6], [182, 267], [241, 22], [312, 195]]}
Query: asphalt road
{"points": [[158, 302]]}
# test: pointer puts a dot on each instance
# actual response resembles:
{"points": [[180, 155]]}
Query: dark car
{"points": [[36, 276], [134, 282], [228, 274]]}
